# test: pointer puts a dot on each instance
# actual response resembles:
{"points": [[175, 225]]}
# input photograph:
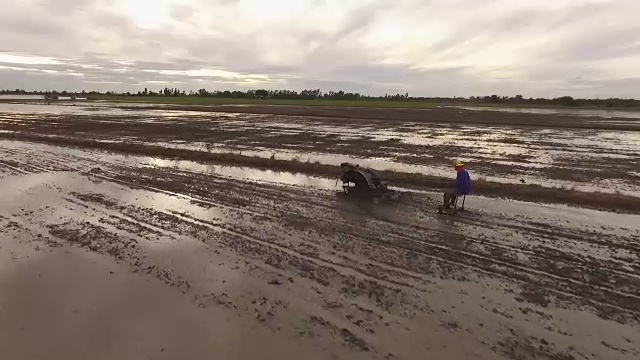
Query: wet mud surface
{"points": [[246, 264], [586, 153]]}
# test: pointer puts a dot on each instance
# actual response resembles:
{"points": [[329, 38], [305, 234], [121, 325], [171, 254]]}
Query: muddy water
{"points": [[603, 114], [583, 159], [72, 159], [534, 159], [65, 303], [81, 108], [288, 262], [625, 187]]}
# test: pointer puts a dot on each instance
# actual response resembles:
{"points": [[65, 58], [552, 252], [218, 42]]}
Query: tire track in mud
{"points": [[318, 204], [610, 266], [583, 262], [379, 298], [136, 185], [289, 250], [117, 237], [525, 269], [29, 164], [283, 258], [298, 263], [168, 221], [498, 268], [114, 176], [515, 271], [262, 215], [266, 193], [553, 234], [13, 166], [356, 251], [115, 241], [580, 263], [575, 280]]}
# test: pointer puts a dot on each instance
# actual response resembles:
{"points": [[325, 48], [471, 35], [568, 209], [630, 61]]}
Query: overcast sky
{"points": [[583, 48]]}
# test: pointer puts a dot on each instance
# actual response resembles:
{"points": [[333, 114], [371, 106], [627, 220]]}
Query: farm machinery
{"points": [[365, 182], [369, 184]]}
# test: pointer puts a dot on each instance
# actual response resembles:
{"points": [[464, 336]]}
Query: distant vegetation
{"points": [[316, 95]]}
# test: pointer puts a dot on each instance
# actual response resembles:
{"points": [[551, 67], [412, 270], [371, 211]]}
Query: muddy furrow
{"points": [[496, 263], [266, 195], [273, 255], [167, 221], [575, 268], [170, 222], [31, 162], [366, 275]]}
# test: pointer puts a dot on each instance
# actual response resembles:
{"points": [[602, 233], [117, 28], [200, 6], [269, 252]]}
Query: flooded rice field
{"points": [[572, 157], [134, 257], [585, 113]]}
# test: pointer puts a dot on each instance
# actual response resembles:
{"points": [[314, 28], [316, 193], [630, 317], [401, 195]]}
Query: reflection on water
{"points": [[58, 109], [82, 159], [605, 185], [106, 109], [243, 173], [605, 114], [34, 97], [404, 146], [21, 97]]}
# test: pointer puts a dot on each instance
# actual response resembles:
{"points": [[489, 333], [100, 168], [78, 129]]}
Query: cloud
{"points": [[431, 48], [32, 60]]}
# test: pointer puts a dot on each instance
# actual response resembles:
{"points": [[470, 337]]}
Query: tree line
{"points": [[312, 94]]}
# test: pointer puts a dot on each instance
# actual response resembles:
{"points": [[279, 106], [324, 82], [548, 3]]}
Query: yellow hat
{"points": [[457, 163]]}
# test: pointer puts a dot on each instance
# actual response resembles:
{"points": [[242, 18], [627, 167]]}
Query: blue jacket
{"points": [[463, 182]]}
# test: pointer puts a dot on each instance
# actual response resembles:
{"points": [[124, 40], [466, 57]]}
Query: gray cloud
{"points": [[432, 48]]}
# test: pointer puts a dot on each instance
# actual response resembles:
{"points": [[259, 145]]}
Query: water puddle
{"points": [[34, 97], [501, 154], [605, 114], [244, 173], [380, 163], [103, 109], [58, 109], [82, 160]]}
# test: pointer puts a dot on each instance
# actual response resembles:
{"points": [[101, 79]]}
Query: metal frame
{"points": [[368, 186], [368, 183], [455, 206]]}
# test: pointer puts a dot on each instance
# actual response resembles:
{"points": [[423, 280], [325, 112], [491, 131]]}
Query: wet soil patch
{"points": [[601, 201]]}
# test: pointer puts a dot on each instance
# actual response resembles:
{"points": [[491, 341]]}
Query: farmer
{"points": [[462, 185]]}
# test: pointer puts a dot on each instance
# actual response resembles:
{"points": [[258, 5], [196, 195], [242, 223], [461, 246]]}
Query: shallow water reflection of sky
{"points": [[630, 114]]}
